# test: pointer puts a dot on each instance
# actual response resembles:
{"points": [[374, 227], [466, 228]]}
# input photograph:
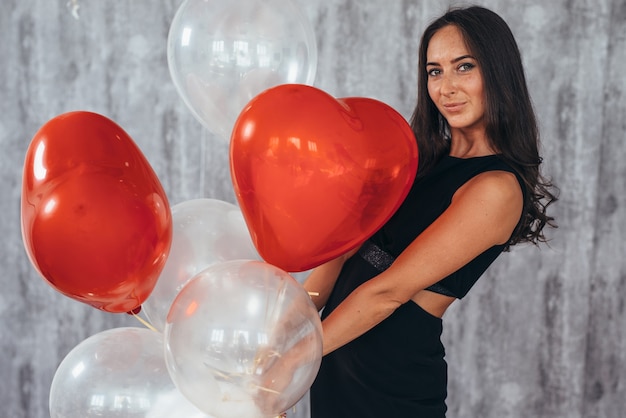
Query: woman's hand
{"points": [[277, 371]]}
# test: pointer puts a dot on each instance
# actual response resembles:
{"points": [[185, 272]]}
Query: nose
{"points": [[448, 85]]}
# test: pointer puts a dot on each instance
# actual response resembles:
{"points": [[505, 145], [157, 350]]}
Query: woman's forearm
{"points": [[320, 282], [363, 309]]}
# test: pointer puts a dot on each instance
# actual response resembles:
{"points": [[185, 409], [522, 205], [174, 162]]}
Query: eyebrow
{"points": [[461, 58]]}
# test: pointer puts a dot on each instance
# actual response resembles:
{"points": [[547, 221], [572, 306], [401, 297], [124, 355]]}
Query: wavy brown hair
{"points": [[511, 125]]}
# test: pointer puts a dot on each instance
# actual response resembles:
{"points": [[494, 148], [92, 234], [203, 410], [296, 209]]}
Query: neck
{"points": [[466, 144]]}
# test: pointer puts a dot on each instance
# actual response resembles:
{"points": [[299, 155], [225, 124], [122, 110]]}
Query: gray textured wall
{"points": [[543, 334]]}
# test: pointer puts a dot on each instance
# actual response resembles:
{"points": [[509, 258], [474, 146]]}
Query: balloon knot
{"points": [[134, 311]]}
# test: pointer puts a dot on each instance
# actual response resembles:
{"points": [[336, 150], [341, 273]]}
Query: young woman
{"points": [[478, 191]]}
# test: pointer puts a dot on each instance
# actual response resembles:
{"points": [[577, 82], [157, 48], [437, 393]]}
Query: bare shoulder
{"points": [[493, 195], [497, 184]]}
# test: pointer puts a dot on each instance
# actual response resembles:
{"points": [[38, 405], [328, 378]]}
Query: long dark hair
{"points": [[511, 125]]}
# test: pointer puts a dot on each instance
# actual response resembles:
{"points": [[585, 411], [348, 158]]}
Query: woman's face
{"points": [[455, 83]]}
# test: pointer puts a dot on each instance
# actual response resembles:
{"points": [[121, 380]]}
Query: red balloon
{"points": [[316, 176], [96, 222]]}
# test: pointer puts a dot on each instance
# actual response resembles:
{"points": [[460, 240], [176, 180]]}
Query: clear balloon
{"points": [[117, 373], [315, 176], [96, 221], [243, 338], [205, 232], [223, 53]]}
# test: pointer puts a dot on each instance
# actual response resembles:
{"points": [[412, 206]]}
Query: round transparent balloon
{"points": [[205, 232], [223, 53], [117, 373], [243, 338]]}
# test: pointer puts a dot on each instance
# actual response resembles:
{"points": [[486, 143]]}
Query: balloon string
{"points": [[145, 323], [267, 389]]}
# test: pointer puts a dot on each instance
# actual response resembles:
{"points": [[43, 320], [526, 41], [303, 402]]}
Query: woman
{"points": [[478, 191]]}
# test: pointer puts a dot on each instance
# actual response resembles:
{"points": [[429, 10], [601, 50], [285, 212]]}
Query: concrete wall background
{"points": [[543, 332]]}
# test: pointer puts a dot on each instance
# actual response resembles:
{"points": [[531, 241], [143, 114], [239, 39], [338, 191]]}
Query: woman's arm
{"points": [[483, 213], [322, 279]]}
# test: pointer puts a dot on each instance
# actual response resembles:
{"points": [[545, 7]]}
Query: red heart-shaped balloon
{"points": [[315, 176], [96, 222]]}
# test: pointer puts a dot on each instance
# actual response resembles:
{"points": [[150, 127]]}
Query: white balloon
{"points": [[223, 53], [205, 232], [117, 373], [243, 334], [174, 404]]}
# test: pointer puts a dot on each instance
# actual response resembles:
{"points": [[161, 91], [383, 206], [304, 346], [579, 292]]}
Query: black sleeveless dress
{"points": [[397, 369]]}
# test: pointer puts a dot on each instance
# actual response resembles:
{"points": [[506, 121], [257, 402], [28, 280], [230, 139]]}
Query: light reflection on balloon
{"points": [[117, 373], [223, 53], [243, 335], [315, 176], [95, 219], [205, 232]]}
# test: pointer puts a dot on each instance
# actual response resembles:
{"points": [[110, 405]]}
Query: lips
{"points": [[453, 107]]}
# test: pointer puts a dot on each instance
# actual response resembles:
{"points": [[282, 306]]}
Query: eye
{"points": [[465, 67], [434, 72]]}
